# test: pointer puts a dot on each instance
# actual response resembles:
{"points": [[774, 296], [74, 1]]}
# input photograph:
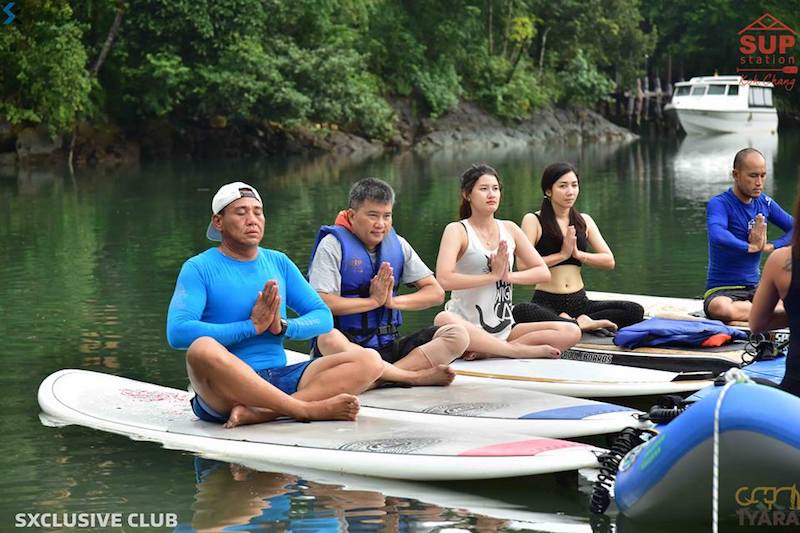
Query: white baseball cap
{"points": [[227, 194]]}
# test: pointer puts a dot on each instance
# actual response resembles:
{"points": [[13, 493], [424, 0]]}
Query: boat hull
{"points": [[703, 121]]}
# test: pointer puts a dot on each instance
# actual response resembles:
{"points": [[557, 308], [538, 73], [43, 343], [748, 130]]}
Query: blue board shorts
{"points": [[285, 378]]}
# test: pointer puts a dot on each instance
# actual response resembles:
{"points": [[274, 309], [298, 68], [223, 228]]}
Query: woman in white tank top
{"points": [[475, 262]]}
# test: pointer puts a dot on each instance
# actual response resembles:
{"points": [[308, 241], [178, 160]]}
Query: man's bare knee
{"points": [[720, 309], [332, 342], [370, 362], [206, 352]]}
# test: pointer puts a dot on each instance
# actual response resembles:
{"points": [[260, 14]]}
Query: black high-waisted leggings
{"points": [[546, 306]]}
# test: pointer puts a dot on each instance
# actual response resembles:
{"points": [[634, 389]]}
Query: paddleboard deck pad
{"points": [[372, 445], [485, 406], [480, 406]]}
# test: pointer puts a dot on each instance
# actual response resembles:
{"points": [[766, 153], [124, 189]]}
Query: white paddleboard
{"points": [[667, 307], [483, 406], [670, 358], [372, 445], [576, 378], [656, 305]]}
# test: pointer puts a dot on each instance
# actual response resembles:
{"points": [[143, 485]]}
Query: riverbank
{"points": [[467, 126]]}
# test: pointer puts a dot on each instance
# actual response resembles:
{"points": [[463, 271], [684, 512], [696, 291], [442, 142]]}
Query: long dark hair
{"points": [[550, 227], [468, 179]]}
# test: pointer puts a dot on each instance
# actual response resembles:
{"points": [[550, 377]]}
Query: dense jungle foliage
{"points": [[342, 61]]}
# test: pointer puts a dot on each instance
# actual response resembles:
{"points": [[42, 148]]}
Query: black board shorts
{"points": [[739, 293]]}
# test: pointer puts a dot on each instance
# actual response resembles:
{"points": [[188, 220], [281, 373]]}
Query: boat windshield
{"points": [[733, 90], [682, 91], [699, 90], [760, 97], [716, 89]]}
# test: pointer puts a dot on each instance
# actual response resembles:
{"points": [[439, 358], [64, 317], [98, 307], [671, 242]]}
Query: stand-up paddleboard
{"points": [[372, 445], [578, 378], [667, 307], [595, 349], [771, 369], [486, 407], [479, 406]]}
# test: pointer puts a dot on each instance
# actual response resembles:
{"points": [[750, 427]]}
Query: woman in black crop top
{"points": [[563, 236], [780, 280]]}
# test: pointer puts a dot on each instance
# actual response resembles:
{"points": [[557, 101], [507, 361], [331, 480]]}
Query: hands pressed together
{"points": [[757, 239], [499, 267], [569, 244], [381, 288], [266, 313]]}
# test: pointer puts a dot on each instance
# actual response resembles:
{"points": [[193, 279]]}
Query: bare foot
{"points": [[242, 415], [589, 324], [340, 407], [438, 375], [474, 356], [543, 351]]}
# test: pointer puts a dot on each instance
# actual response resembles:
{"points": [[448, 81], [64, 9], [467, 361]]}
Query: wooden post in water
{"points": [[631, 100], [646, 98], [658, 98], [639, 101]]}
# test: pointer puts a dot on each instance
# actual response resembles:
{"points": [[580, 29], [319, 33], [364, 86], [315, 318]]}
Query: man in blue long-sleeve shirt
{"points": [[737, 235], [229, 312]]}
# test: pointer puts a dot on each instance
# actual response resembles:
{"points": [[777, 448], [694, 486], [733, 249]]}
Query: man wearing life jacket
{"points": [[357, 266]]}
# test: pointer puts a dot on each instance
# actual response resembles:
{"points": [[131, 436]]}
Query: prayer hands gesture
{"points": [[382, 284], [499, 263], [569, 244], [757, 239], [266, 312]]}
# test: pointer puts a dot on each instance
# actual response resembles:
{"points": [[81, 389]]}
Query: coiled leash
{"points": [[627, 440], [667, 409], [763, 347]]}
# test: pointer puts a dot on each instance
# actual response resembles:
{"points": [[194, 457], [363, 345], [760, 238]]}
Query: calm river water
{"points": [[88, 265]]}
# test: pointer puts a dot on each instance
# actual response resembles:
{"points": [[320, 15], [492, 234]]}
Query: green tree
{"points": [[43, 67]]}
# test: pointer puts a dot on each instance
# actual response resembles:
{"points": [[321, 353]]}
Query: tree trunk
{"points": [[490, 28], [541, 50], [507, 25], [112, 34], [523, 48], [101, 58]]}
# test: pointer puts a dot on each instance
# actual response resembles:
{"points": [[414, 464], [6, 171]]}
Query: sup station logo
{"points": [[766, 48]]}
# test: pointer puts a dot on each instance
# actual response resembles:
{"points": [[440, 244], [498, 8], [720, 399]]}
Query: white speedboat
{"points": [[724, 104]]}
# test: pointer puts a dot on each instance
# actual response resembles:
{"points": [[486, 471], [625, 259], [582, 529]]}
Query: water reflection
{"points": [[702, 165], [232, 496], [89, 266]]}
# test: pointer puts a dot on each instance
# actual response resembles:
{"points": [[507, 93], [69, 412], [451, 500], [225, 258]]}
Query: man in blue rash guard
{"points": [[229, 310], [737, 235]]}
